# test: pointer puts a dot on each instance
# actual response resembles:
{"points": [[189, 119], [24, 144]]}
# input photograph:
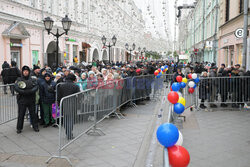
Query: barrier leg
{"points": [[95, 131]]}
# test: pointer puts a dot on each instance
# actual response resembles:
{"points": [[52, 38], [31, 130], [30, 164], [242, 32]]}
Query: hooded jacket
{"points": [[47, 93], [26, 95]]}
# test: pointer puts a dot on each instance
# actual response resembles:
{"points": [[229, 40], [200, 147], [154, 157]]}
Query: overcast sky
{"points": [[156, 8]]}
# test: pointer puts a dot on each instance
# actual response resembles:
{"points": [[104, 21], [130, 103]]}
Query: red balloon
{"points": [[171, 88], [142, 57], [191, 90], [156, 72], [159, 70], [173, 97], [178, 156], [190, 76], [138, 70], [179, 78]]}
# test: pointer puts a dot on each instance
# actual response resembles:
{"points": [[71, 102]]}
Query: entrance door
{"points": [[15, 56]]}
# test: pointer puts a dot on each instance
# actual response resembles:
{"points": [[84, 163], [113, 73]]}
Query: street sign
{"points": [[239, 33]]}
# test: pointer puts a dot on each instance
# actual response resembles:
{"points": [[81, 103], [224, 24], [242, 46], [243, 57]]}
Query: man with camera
{"points": [[26, 88]]}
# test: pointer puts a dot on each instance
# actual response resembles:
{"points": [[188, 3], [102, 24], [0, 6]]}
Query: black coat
{"points": [[28, 94], [47, 93], [13, 74], [203, 88], [66, 89], [4, 74]]}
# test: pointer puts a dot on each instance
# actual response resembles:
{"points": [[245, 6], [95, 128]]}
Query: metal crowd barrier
{"points": [[8, 103], [226, 91], [80, 113]]}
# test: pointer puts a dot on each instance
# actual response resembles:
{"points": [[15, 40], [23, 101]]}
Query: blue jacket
{"points": [[83, 84]]}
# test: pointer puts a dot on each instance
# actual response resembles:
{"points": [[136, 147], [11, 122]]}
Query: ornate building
{"points": [[24, 39]]}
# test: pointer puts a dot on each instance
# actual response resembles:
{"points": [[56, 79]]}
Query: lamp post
{"points": [[130, 49], [66, 23], [104, 39]]}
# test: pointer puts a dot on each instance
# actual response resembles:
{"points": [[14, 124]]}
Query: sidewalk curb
{"points": [[142, 154]]}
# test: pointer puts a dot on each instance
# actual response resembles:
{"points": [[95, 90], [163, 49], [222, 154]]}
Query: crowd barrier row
{"points": [[80, 113], [233, 91]]}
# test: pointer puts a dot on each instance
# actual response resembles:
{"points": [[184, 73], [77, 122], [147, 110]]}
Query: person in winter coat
{"points": [[69, 109], [13, 74], [203, 89], [26, 99], [48, 98], [4, 74], [40, 81], [83, 82], [92, 80]]}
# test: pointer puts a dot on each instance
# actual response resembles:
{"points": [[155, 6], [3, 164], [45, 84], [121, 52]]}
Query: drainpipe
{"points": [[245, 58], [43, 54], [215, 32], [203, 30]]}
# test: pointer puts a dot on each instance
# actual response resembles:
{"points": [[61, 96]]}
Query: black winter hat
{"points": [[71, 77], [47, 75], [25, 68], [35, 67]]}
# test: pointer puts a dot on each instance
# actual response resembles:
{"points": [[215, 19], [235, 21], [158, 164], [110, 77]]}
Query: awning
{"points": [[16, 31], [85, 45]]}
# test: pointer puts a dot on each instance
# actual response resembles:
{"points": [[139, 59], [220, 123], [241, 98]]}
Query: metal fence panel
{"points": [[8, 103]]}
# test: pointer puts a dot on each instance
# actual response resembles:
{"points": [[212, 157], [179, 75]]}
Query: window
{"points": [[33, 3], [35, 57], [241, 6], [67, 7], [76, 10], [227, 9], [74, 50], [66, 56], [83, 13]]}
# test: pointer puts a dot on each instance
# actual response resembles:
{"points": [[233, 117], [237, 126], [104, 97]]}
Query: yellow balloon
{"points": [[162, 72], [182, 101], [184, 80], [54, 73]]}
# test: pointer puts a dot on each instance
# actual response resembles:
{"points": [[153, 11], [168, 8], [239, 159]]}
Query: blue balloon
{"points": [[197, 80], [172, 65], [165, 66], [176, 86], [183, 84], [194, 86], [179, 108], [158, 76], [167, 134]]}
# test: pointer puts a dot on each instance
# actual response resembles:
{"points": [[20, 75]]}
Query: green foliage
{"points": [[153, 55]]}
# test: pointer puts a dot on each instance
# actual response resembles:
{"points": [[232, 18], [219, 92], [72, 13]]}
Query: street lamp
{"points": [[48, 24], [130, 49], [104, 40]]}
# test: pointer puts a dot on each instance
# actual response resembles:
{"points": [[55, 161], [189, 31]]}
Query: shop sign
{"points": [[70, 39], [16, 45], [239, 33]]}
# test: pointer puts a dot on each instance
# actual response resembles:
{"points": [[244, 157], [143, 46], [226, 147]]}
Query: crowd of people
{"points": [[36, 87]]}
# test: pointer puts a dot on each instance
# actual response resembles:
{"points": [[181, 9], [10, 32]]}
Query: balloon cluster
{"points": [[158, 73], [192, 84], [168, 134]]}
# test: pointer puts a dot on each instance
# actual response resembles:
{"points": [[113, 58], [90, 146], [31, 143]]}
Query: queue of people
{"points": [[36, 87]]}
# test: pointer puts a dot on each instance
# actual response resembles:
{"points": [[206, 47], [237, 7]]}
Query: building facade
{"points": [[200, 35], [24, 39], [231, 19]]}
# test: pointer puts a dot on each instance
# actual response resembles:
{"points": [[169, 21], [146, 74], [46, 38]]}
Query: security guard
{"points": [[26, 88]]}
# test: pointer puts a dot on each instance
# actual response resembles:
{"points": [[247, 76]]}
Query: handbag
{"points": [[55, 114]]}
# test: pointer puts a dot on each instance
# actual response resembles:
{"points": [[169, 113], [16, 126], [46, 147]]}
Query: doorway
{"points": [[15, 56]]}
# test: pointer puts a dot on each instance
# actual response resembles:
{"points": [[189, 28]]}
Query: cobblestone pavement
{"points": [[217, 139], [125, 143]]}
